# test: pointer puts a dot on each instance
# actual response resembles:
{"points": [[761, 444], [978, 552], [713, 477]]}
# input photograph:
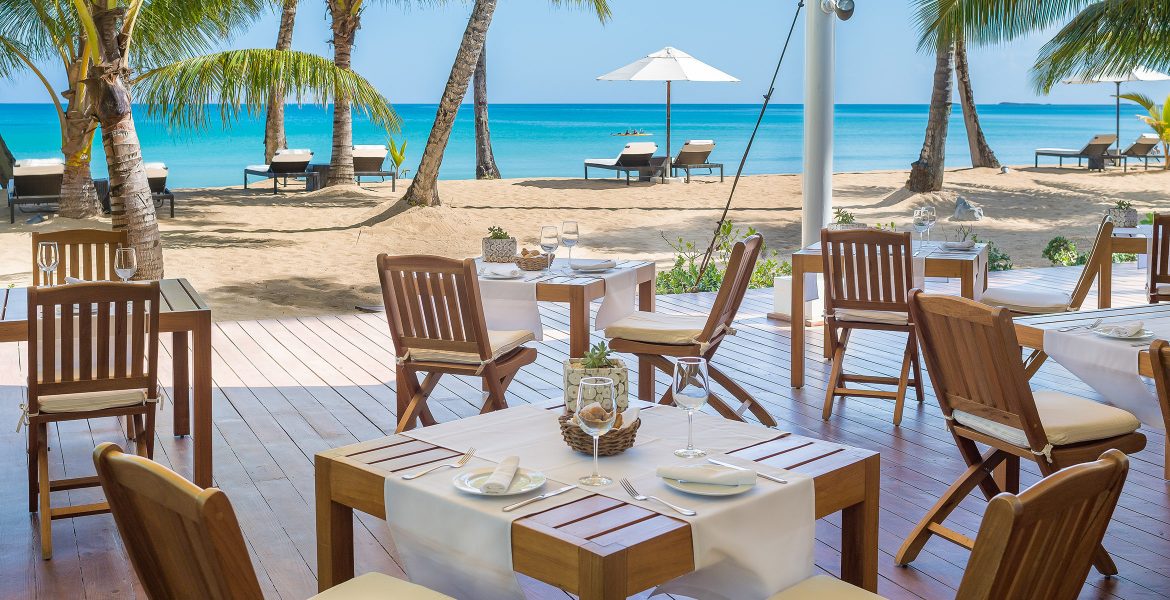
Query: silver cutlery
{"points": [[451, 465], [715, 461], [640, 498], [512, 507], [1092, 325]]}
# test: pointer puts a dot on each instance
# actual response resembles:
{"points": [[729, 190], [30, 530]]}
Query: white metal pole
{"points": [[818, 121]]}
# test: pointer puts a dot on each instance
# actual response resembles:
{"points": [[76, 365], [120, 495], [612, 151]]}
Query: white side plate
{"points": [[472, 482], [707, 489]]}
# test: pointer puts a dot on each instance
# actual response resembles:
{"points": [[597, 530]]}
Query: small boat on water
{"points": [[632, 133]]}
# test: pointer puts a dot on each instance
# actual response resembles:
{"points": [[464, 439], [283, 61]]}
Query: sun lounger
{"points": [[694, 155], [636, 156], [1142, 149], [1096, 151], [368, 161], [285, 164], [35, 182], [156, 174]]}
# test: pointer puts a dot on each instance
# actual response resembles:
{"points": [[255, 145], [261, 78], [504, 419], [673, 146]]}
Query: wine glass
{"points": [[570, 234], [930, 217], [596, 413], [47, 258], [125, 263], [690, 390], [549, 240], [922, 223]]}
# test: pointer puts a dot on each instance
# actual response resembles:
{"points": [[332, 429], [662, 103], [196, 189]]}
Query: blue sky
{"points": [[538, 53]]}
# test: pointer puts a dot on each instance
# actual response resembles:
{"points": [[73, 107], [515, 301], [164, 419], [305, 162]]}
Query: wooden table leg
{"points": [[578, 323], [797, 308], [182, 381], [602, 577], [334, 533], [202, 401], [1105, 278], [859, 533], [646, 300], [967, 282]]}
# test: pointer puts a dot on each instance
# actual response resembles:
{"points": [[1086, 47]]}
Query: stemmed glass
{"points": [[125, 263], [570, 234], [924, 219], [596, 413], [691, 390], [549, 241], [47, 258]]}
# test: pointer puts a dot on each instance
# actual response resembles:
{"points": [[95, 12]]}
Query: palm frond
{"points": [[993, 21], [182, 93], [40, 27], [598, 7], [172, 30], [1141, 100]]}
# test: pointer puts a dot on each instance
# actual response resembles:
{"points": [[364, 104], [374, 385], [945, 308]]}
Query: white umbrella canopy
{"points": [[1136, 74], [669, 65]]}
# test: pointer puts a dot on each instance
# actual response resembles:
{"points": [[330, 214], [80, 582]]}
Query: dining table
{"points": [[187, 317], [593, 544], [969, 266]]}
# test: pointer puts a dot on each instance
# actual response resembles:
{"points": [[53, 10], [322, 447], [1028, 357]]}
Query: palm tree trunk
{"points": [[424, 188], [981, 153], [131, 205], [274, 138], [345, 26], [485, 160], [78, 197], [926, 174]]}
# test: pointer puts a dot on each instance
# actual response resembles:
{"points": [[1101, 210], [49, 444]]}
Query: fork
{"points": [[453, 465], [1092, 325], [640, 498]]}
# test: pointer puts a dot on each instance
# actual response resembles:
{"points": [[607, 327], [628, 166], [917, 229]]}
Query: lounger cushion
{"points": [[1066, 419], [700, 142], [38, 166], [1063, 151], [370, 151], [1031, 300], [501, 342], [155, 170], [600, 162], [378, 586], [640, 148], [657, 328], [884, 317], [294, 152], [824, 587], [90, 401], [1163, 288]]}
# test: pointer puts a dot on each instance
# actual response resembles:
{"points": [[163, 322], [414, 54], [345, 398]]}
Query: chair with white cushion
{"points": [[867, 276], [1158, 268], [653, 336], [92, 352], [437, 324], [185, 542], [982, 388], [1038, 544]]}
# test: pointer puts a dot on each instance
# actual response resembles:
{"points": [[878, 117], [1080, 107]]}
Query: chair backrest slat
{"points": [[83, 254], [866, 269], [433, 303], [1158, 268], [1160, 359], [740, 266], [1101, 252]]}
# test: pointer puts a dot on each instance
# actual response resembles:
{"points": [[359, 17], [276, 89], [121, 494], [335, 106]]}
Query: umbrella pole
{"points": [[668, 127], [1117, 96]]}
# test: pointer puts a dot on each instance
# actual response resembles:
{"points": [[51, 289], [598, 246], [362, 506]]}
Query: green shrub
{"points": [[1061, 251], [684, 276], [997, 259], [843, 217], [1125, 257], [497, 233]]}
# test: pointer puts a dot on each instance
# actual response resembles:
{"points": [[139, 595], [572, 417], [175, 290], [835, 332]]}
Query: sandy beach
{"points": [[256, 255]]}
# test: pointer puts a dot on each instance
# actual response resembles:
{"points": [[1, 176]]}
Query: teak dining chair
{"points": [[84, 254], [1038, 544], [973, 357], [654, 336], [1160, 358], [867, 276], [185, 542], [92, 352], [1158, 267], [438, 327]]}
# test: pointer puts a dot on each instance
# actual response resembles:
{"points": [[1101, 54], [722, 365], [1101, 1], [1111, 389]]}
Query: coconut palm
{"points": [[981, 153], [1158, 120], [926, 174], [274, 138]]}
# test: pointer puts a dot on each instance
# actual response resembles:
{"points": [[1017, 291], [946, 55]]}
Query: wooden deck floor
{"points": [[285, 389]]}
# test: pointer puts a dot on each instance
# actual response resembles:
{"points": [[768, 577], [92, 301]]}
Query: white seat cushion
{"points": [[823, 587], [1163, 288], [884, 317], [377, 586], [1030, 300], [1067, 419], [657, 328], [501, 342], [90, 401]]}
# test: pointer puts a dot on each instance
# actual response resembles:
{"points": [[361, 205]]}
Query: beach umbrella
{"points": [[669, 65], [1137, 74]]}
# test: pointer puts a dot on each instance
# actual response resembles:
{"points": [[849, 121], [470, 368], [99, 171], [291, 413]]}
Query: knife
{"points": [[739, 468], [522, 503]]}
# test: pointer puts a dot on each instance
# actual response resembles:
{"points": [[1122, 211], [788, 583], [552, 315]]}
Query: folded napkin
{"points": [[1126, 329], [707, 473], [592, 264], [502, 270], [69, 279], [501, 478]]}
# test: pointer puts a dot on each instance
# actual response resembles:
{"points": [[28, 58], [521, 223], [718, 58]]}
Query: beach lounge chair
{"points": [[156, 174], [636, 156], [694, 155], [286, 163], [368, 161], [35, 182], [1142, 149], [1096, 151]]}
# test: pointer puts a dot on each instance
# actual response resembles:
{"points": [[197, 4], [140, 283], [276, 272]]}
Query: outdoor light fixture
{"points": [[843, 8]]}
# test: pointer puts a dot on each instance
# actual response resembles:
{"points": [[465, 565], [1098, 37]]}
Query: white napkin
{"points": [[69, 279], [705, 473], [618, 301], [500, 270], [501, 478], [591, 264], [510, 304], [1126, 329]]}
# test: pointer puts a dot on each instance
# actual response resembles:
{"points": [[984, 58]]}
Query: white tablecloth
{"points": [[510, 304], [1110, 367], [746, 546]]}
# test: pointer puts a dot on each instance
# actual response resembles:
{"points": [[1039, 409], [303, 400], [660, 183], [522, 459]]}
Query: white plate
{"points": [[517, 274], [591, 267], [472, 481], [1144, 334], [959, 245], [707, 489]]}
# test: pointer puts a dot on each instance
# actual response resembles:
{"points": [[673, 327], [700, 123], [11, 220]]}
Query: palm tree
{"points": [[346, 18], [274, 138], [926, 174], [981, 152], [1158, 120]]}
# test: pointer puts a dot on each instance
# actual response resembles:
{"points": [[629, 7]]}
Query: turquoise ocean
{"points": [[535, 140]]}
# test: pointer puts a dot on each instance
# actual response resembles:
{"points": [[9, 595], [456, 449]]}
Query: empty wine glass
{"points": [[570, 234], [47, 258], [596, 412], [690, 389], [125, 263], [549, 240], [930, 217]]}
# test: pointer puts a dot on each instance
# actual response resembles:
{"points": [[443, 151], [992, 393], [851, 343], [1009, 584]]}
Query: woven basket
{"points": [[614, 442], [539, 262]]}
